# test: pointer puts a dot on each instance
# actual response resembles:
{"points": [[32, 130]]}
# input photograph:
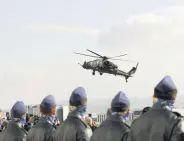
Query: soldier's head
{"points": [[146, 109], [48, 106], [165, 89], [78, 98], [120, 103], [18, 110], [89, 120]]}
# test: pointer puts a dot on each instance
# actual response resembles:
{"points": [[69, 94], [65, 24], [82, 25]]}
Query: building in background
{"points": [[33, 110], [93, 116], [101, 117], [62, 112]]}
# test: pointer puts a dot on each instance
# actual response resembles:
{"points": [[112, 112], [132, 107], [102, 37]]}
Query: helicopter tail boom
{"points": [[128, 74]]}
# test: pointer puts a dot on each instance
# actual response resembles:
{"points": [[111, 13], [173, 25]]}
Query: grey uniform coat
{"points": [[112, 129], [42, 131], [158, 124], [14, 132], [73, 129]]}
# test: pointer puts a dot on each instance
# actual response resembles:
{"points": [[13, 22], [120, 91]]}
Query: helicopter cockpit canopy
{"points": [[110, 64], [93, 64]]}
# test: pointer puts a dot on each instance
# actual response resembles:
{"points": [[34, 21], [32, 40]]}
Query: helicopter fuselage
{"points": [[99, 64]]}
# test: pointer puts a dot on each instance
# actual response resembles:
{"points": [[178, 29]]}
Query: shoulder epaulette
{"points": [[24, 131], [178, 114], [127, 125]]}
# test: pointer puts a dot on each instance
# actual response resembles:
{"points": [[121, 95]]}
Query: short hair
{"points": [[78, 103], [49, 111], [20, 116], [171, 95]]}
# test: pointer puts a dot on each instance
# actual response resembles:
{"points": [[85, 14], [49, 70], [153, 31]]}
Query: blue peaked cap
{"points": [[78, 97], [18, 109], [120, 102], [48, 102], [166, 89], [166, 85]]}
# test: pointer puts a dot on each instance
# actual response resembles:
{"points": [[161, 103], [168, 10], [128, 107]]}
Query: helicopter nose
{"points": [[84, 65]]}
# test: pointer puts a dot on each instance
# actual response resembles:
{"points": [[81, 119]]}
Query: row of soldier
{"points": [[159, 123]]}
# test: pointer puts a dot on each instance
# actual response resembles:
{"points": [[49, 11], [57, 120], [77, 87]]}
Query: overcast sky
{"points": [[38, 38]]}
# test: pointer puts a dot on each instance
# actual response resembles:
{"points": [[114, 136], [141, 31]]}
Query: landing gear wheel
{"points": [[126, 78], [93, 73]]}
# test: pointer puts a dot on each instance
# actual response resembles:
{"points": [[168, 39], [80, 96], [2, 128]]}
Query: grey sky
{"points": [[38, 38]]}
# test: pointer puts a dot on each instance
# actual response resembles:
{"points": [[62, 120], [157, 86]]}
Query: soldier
{"points": [[159, 123], [15, 130], [114, 128], [91, 123], [29, 122], [8, 116], [74, 128], [44, 129]]}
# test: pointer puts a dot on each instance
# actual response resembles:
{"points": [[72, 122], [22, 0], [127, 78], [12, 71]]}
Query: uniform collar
{"points": [[158, 107], [115, 117], [75, 114], [44, 120]]}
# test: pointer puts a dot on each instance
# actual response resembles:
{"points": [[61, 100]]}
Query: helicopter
{"points": [[103, 65]]}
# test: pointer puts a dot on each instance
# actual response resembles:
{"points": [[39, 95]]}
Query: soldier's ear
{"points": [[72, 108], [155, 99]]}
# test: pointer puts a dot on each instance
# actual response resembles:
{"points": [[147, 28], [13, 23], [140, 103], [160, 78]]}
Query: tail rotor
{"points": [[131, 72]]}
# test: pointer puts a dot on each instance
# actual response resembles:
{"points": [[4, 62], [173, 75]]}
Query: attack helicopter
{"points": [[103, 65]]}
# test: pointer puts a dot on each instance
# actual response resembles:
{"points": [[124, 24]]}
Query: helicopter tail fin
{"points": [[133, 70]]}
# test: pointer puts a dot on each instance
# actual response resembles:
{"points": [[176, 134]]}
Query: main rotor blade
{"points": [[117, 56], [87, 55], [124, 60], [95, 53]]}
